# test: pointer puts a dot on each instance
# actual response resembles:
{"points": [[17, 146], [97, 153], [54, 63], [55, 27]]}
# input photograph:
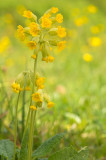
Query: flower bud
{"points": [[45, 49], [53, 31]]}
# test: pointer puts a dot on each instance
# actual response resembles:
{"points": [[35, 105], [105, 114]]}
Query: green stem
{"points": [[15, 128]]}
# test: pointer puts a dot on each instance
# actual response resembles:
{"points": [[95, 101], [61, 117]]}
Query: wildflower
{"points": [[4, 43], [16, 87], [34, 29], [61, 45], [46, 22], [36, 97], [27, 88], [95, 29], [31, 45], [33, 107], [92, 9], [54, 10], [80, 21], [87, 57], [40, 83], [95, 41], [33, 56], [61, 32], [50, 104], [20, 33], [59, 18], [50, 58], [27, 14]]}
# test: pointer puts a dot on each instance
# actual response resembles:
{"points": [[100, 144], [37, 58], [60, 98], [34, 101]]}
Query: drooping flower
{"points": [[40, 83], [50, 104], [31, 45], [20, 33], [27, 14], [59, 18], [34, 29], [54, 10], [46, 22], [27, 88], [33, 107], [33, 56], [61, 32], [36, 97], [16, 87], [61, 45], [87, 57]]}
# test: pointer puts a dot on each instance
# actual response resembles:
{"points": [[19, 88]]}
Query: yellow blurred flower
{"points": [[46, 22], [4, 43], [31, 45], [87, 57], [95, 29], [54, 10], [50, 104], [61, 45], [81, 21], [61, 32], [92, 9], [36, 97], [95, 41], [27, 14], [33, 56], [27, 88], [59, 18], [48, 59], [34, 29], [16, 87], [33, 107]]}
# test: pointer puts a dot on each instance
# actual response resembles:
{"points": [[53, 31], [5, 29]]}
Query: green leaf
{"points": [[6, 149], [69, 153], [47, 146], [24, 150]]}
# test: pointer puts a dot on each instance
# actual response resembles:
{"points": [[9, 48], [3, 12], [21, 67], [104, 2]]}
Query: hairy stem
{"points": [[15, 128]]}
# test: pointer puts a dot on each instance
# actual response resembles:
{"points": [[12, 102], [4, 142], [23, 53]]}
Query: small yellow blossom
{"points": [[59, 18], [40, 83], [16, 87], [33, 56], [20, 33], [27, 14], [33, 107], [48, 59], [92, 9], [36, 97], [54, 10], [50, 104], [27, 88], [31, 45], [61, 32], [61, 45], [95, 29], [34, 29], [95, 41], [87, 57], [80, 21], [4, 43], [46, 22]]}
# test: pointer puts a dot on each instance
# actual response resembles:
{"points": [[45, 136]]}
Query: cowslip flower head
{"points": [[40, 82], [31, 45], [59, 18], [20, 33], [27, 14], [61, 32], [46, 22], [87, 57]]}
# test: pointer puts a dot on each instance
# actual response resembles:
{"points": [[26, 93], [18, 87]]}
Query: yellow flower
{"points": [[54, 10], [27, 88], [27, 14], [48, 59], [40, 83], [46, 22], [50, 104], [87, 57], [36, 97], [80, 21], [95, 29], [95, 41], [59, 18], [4, 44], [92, 9], [34, 30], [33, 56], [20, 33], [61, 32], [33, 107], [16, 87], [31, 45], [61, 45]]}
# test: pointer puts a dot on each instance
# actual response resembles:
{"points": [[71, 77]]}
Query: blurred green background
{"points": [[76, 83]]}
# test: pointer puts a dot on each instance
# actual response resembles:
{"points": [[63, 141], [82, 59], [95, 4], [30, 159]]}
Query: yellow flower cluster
{"points": [[44, 34], [34, 108], [16, 87], [37, 97], [40, 83]]}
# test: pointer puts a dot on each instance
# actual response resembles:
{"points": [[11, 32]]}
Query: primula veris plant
{"points": [[40, 36]]}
